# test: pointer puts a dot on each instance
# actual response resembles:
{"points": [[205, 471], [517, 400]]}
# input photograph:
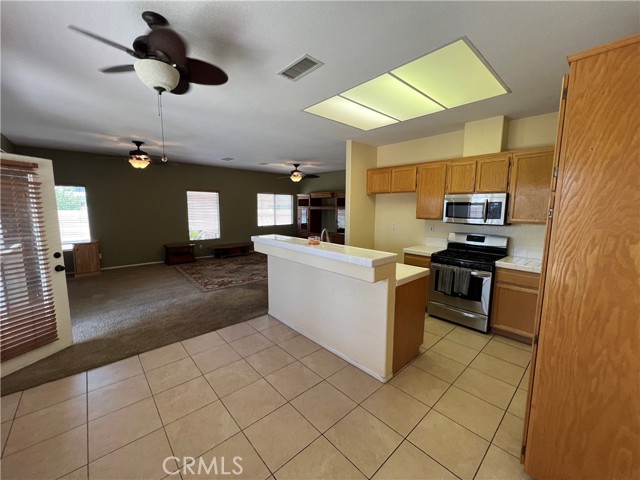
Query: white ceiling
{"points": [[54, 96]]}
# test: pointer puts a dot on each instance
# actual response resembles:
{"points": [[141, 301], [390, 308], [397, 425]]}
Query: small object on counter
{"points": [[314, 240]]}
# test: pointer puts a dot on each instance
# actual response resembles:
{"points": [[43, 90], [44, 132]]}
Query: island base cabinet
{"points": [[419, 261], [409, 322]]}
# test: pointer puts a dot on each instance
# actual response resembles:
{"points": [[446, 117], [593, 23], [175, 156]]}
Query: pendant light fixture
{"points": [[139, 158]]}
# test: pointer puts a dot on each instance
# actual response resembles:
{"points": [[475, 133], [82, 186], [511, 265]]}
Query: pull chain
{"points": [[164, 156]]}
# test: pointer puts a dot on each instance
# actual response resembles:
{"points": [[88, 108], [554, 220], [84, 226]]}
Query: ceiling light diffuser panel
{"points": [[451, 76]]}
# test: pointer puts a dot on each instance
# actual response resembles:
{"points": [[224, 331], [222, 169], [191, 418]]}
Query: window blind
{"points": [[203, 209], [27, 310], [274, 209], [73, 215]]}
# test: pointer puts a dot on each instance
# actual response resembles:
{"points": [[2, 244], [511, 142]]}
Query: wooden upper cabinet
{"points": [[403, 179], [378, 180], [530, 186], [432, 180], [461, 177], [492, 174]]}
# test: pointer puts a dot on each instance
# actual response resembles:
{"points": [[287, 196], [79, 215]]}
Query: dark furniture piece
{"points": [[179, 253], [232, 249]]}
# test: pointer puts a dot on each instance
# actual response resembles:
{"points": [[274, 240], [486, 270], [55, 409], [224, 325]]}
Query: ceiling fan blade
{"points": [[118, 69], [311, 175], [154, 20], [168, 42], [104, 40], [182, 87], [204, 73]]}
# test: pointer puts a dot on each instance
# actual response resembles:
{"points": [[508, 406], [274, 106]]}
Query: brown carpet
{"points": [[127, 311]]}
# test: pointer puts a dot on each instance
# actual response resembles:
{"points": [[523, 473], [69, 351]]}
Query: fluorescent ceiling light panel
{"points": [[392, 97], [452, 75], [350, 113]]}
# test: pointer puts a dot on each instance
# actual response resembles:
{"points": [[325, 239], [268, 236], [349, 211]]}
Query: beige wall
{"points": [[360, 208], [397, 210]]}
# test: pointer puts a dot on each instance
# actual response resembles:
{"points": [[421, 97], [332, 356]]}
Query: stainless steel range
{"points": [[461, 279]]}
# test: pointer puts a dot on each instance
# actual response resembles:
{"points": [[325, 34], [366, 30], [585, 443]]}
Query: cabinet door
{"points": [[379, 180], [492, 174], [432, 179], [86, 258], [403, 179], [419, 261], [462, 177], [530, 186], [515, 297]]}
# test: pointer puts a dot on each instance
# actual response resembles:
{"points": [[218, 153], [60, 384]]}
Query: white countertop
{"points": [[520, 263], [342, 253], [409, 273], [424, 250]]}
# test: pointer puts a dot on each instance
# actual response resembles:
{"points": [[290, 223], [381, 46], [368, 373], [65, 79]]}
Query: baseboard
{"points": [[132, 265]]}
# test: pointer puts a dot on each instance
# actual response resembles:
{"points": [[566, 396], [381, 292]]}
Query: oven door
{"points": [[475, 209], [477, 298]]}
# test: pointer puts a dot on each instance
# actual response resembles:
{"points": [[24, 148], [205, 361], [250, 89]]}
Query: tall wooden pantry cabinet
{"points": [[583, 416]]}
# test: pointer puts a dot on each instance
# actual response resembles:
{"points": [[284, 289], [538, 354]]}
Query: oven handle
{"points": [[478, 274], [484, 210]]}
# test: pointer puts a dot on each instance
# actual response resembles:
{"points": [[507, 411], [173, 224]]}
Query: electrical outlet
{"points": [[393, 226], [431, 228]]}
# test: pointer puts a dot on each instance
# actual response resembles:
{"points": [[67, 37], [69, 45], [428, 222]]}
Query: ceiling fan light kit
{"points": [[296, 176], [139, 158], [156, 74]]}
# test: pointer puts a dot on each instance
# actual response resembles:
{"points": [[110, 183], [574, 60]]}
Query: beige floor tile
{"points": [[524, 383], [437, 326], [9, 405], [172, 374], [51, 393], [429, 340], [52, 458], [323, 405], [279, 333], [114, 372], [265, 321], [215, 358], [420, 384], [324, 363], [354, 383], [184, 399], [200, 431], [232, 377], [117, 395], [508, 353], [292, 380], [494, 367], [411, 463], [481, 385], [471, 412], [5, 428], [281, 435], [253, 467], [518, 405], [499, 465], [514, 343], [234, 332], [509, 436], [319, 461], [364, 440], [251, 403], [466, 337], [199, 344], [270, 360], [123, 426], [454, 351], [396, 408], [451, 445], [143, 459], [439, 366], [251, 344], [299, 346], [46, 423], [162, 356], [80, 474]]}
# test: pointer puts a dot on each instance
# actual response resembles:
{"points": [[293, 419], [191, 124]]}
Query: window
{"points": [[204, 215], [73, 215], [274, 209]]}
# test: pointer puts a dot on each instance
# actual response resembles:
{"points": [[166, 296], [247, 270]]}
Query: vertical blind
{"points": [[27, 310], [203, 209], [274, 209]]}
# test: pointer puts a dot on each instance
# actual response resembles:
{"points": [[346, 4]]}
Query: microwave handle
{"points": [[484, 211]]}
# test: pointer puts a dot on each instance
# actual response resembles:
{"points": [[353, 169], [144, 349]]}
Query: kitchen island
{"points": [[357, 303]]}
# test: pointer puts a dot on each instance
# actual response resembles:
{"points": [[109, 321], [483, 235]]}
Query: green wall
{"points": [[134, 212], [328, 182]]}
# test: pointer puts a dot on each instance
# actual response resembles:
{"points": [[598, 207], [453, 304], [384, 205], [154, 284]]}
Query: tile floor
{"points": [[287, 407]]}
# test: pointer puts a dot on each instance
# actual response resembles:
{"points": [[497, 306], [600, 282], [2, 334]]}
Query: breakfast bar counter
{"points": [[344, 298]]}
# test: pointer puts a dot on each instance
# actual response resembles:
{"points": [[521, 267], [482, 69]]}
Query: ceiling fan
{"points": [[296, 175], [139, 159], [162, 61]]}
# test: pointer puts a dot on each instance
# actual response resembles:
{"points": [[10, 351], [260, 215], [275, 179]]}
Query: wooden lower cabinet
{"points": [[86, 258], [409, 322], [419, 261], [513, 308]]}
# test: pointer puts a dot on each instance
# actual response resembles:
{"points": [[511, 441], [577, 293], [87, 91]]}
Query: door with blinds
{"points": [[34, 306]]}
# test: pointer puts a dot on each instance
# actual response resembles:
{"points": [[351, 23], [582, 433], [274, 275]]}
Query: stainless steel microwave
{"points": [[476, 208]]}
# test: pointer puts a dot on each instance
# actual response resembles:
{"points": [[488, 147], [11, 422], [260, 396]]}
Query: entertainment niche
{"points": [[320, 210]]}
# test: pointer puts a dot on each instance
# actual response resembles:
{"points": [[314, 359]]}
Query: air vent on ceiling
{"points": [[300, 68]]}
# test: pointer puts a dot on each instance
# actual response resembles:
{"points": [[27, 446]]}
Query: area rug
{"points": [[219, 273]]}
